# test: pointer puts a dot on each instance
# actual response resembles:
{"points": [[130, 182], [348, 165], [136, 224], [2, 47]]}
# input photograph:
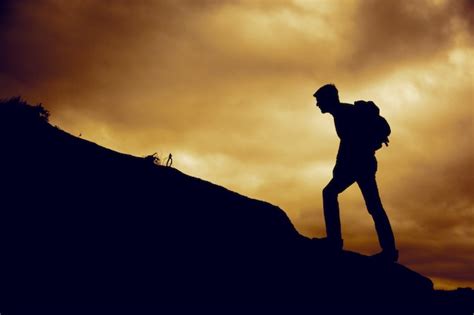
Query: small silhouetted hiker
{"points": [[169, 161], [362, 131]]}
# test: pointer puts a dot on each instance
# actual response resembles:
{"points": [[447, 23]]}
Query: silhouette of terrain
{"points": [[82, 224]]}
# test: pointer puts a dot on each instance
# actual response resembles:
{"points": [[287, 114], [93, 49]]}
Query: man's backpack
{"points": [[375, 129]]}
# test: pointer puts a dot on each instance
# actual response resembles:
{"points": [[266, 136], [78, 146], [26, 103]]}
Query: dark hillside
{"points": [[83, 224]]}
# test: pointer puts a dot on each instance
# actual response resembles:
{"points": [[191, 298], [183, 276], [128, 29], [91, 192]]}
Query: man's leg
{"points": [[368, 186], [331, 206]]}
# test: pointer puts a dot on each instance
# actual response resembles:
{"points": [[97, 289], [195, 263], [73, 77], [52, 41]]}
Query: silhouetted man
{"points": [[355, 163]]}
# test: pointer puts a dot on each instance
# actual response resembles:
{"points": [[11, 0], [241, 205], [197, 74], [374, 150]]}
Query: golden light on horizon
{"points": [[227, 88]]}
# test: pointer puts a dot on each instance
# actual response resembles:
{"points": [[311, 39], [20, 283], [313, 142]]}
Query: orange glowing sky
{"points": [[226, 86]]}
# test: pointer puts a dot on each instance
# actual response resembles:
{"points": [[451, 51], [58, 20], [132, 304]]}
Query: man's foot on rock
{"points": [[386, 256], [329, 245]]}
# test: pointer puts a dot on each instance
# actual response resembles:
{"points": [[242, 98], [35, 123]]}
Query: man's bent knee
{"points": [[376, 211]]}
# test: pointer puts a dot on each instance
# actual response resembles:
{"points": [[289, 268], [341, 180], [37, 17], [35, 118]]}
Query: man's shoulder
{"points": [[346, 108]]}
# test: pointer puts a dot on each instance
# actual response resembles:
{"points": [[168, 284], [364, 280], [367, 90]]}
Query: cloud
{"points": [[387, 34]]}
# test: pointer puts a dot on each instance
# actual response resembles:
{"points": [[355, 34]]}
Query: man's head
{"points": [[327, 98]]}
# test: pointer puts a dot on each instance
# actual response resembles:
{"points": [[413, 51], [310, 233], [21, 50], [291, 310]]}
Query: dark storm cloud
{"points": [[390, 33], [56, 40], [6, 8]]}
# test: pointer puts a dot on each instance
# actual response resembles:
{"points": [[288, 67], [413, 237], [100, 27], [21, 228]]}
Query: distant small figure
{"points": [[80, 134], [169, 161]]}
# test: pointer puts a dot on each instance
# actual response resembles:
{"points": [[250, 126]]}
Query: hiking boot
{"points": [[329, 244], [386, 255]]}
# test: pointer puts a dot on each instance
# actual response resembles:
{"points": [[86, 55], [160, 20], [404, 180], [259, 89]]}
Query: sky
{"points": [[226, 87]]}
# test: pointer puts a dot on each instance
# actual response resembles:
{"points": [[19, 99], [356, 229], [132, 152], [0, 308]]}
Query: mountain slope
{"points": [[84, 224]]}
